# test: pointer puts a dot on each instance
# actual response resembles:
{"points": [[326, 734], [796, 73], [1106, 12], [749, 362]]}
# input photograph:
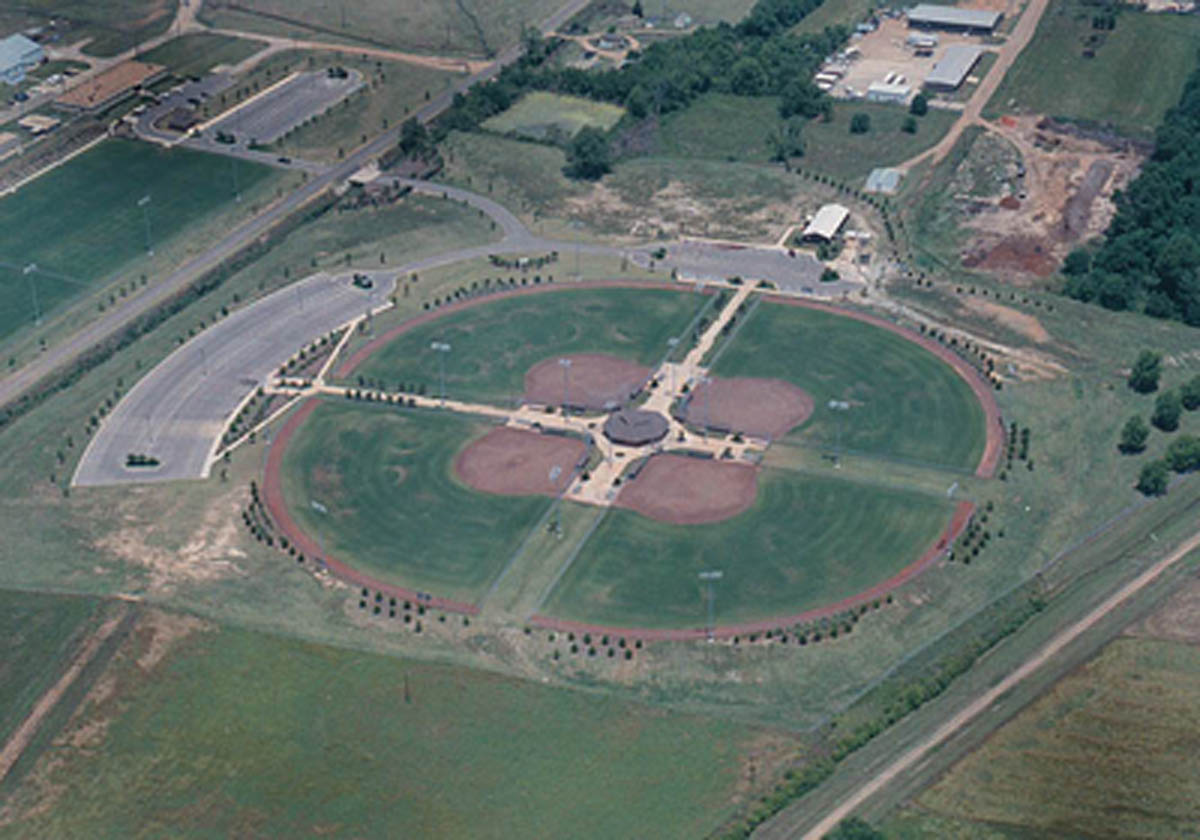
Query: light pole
{"points": [[555, 472], [324, 511], [710, 577], [237, 193], [565, 364], [29, 271], [672, 343], [706, 381], [144, 203], [441, 348], [839, 407]]}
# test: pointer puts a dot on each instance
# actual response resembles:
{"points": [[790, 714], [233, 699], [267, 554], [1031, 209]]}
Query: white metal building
{"points": [[952, 68], [826, 224], [896, 92], [18, 54], [952, 18]]}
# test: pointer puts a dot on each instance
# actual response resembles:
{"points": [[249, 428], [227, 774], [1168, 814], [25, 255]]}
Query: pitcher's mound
{"points": [[690, 491], [594, 381], [512, 462], [758, 407]]}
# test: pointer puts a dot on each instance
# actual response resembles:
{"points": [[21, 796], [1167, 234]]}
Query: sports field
{"points": [[395, 509], [494, 344], [904, 402], [81, 223], [552, 116], [240, 734], [807, 542], [198, 53]]}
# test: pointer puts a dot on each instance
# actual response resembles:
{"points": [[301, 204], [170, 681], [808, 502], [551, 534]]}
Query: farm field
{"points": [[443, 27], [112, 26], [82, 221], [1135, 76], [905, 403], [198, 53], [550, 116], [703, 12], [807, 542], [495, 343], [233, 733]]}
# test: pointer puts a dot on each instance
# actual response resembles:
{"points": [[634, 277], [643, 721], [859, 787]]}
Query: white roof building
{"points": [[953, 18], [826, 224], [952, 68], [897, 92], [18, 54]]}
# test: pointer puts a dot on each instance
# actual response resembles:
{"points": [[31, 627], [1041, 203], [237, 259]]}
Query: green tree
{"points": [[919, 107], [1167, 409], [1189, 393], [1153, 479], [637, 9], [588, 156], [638, 102], [860, 123], [413, 136], [854, 828], [1134, 435], [1146, 370], [1077, 263], [787, 140], [909, 125], [1183, 455]]}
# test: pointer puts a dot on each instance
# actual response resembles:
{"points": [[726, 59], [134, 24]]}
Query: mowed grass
{"points": [[806, 542], [1110, 751], [197, 53], [905, 402], [728, 127], [396, 510], [111, 26], [82, 221], [238, 734], [1136, 75], [494, 344], [540, 116]]}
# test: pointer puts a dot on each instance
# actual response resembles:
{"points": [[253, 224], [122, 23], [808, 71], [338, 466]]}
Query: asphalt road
{"points": [[178, 411]]}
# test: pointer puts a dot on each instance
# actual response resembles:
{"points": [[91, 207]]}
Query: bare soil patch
{"points": [[594, 381], [1014, 319], [759, 407], [689, 491], [1178, 620], [512, 462]]}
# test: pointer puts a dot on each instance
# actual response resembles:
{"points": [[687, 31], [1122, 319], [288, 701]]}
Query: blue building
{"points": [[17, 55]]}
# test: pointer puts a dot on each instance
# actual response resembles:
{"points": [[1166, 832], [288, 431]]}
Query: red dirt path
{"points": [[766, 408], [594, 381], [689, 491], [514, 462]]}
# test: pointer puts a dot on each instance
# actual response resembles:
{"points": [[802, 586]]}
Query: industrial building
{"points": [[894, 92], [954, 19], [18, 55], [953, 67], [826, 224]]}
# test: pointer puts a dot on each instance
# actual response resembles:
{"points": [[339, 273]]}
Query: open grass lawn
{"points": [[1109, 752], [1136, 75], [806, 542], [542, 116], [82, 220], [112, 26], [904, 402], [834, 13], [196, 54], [238, 734], [443, 27], [395, 508], [737, 127], [495, 343]]}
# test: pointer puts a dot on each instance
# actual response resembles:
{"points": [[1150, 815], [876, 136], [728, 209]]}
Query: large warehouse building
{"points": [[18, 54], [953, 67], [954, 19]]}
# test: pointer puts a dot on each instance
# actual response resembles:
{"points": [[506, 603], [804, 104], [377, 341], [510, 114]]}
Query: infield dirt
{"points": [[511, 462], [594, 381], [689, 491], [766, 408]]}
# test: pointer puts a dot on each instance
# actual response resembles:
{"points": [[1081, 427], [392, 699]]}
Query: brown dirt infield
{"points": [[596, 381], [690, 491], [767, 408], [514, 462]]}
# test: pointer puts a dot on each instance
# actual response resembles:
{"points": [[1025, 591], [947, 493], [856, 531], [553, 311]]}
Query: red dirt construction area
{"points": [[594, 381], [690, 491], [513, 462], [766, 408]]}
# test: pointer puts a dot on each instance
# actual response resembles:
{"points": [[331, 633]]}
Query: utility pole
{"points": [[144, 203], [710, 577], [29, 271], [441, 348]]}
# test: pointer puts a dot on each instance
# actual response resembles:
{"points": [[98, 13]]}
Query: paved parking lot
{"points": [[273, 114]]}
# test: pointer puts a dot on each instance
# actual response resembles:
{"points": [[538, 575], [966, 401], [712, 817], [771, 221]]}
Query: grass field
{"points": [[835, 13], [1109, 751], [442, 27], [395, 508], [198, 53], [807, 542], [730, 127], [552, 116], [496, 343], [112, 26], [82, 220], [904, 401], [240, 734], [1136, 75]]}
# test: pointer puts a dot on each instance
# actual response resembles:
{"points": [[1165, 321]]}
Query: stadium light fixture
{"points": [[441, 348], [839, 407], [710, 577], [144, 203], [324, 511], [29, 271], [565, 364], [555, 472]]}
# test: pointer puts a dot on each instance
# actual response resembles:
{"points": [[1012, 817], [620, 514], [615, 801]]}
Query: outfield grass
{"points": [[904, 401], [494, 344], [544, 116], [806, 542], [242, 734], [395, 508], [82, 220], [200, 52], [1136, 75]]}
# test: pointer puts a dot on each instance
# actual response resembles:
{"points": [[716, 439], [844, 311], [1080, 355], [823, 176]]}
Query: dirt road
{"points": [[981, 704]]}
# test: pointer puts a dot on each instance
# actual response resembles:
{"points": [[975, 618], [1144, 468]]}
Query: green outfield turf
{"points": [[494, 344], [80, 223], [239, 734], [806, 542], [547, 116], [904, 401], [395, 509]]}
